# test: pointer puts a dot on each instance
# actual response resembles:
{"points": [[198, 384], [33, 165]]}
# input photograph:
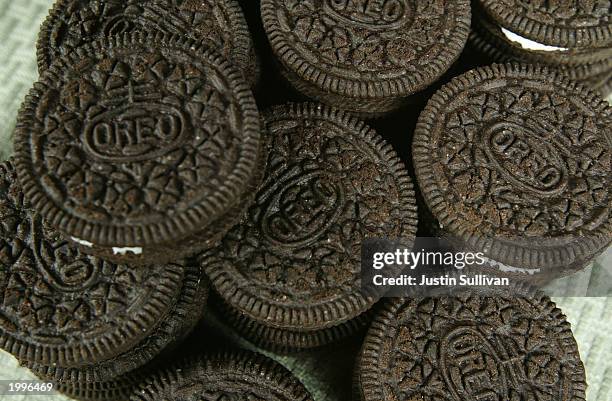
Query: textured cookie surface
{"points": [[372, 49], [589, 66], [569, 23], [514, 161], [105, 377], [72, 23], [66, 308], [224, 376], [491, 347], [294, 261], [135, 141]]}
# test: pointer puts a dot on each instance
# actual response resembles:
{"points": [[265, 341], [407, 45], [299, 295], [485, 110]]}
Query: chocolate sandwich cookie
{"points": [[224, 375], [140, 149], [107, 381], [573, 37], [366, 57], [513, 161], [63, 310], [502, 345], [568, 24], [219, 23], [494, 46], [169, 332], [289, 273]]}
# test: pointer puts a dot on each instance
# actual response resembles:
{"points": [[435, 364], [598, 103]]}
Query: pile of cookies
{"points": [[176, 148]]}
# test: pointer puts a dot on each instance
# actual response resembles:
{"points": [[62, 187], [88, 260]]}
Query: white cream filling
{"points": [[529, 44], [123, 251], [510, 269], [116, 250], [82, 242]]}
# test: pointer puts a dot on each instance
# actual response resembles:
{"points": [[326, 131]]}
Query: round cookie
{"points": [[109, 381], [285, 341], [583, 61], [365, 57], [66, 309], [289, 273], [221, 24], [170, 331], [514, 162], [523, 49], [502, 345], [567, 24], [226, 375], [139, 149]]}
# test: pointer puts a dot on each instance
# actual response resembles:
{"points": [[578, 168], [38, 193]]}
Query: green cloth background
{"points": [[325, 373]]}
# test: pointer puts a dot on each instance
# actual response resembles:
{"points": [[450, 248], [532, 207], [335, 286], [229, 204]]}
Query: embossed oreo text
{"points": [[470, 366], [371, 13], [301, 209], [525, 159], [136, 132]]}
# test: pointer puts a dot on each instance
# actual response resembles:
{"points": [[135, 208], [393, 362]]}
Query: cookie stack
{"points": [[288, 276], [144, 170], [572, 37], [494, 345], [365, 57], [77, 319], [513, 162]]}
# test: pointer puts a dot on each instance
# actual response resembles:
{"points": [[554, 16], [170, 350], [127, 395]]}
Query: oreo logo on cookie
{"points": [[471, 366], [136, 132], [301, 209], [382, 14], [524, 159]]}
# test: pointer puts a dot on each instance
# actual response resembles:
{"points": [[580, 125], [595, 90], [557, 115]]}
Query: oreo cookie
{"points": [[572, 24], [74, 317], [169, 332], [365, 57], [225, 375], [118, 378], [513, 161], [140, 149], [575, 38], [289, 274], [221, 24], [499, 345]]}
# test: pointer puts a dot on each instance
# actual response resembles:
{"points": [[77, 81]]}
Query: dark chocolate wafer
{"points": [[365, 57], [513, 161], [169, 332], [568, 36], [223, 376], [568, 24], [140, 148], [219, 23], [290, 271], [492, 345], [66, 310]]}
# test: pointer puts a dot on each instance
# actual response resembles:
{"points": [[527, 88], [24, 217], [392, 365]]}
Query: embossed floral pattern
{"points": [[136, 136], [565, 13], [53, 295], [325, 190], [468, 347], [507, 150], [376, 39], [87, 20]]}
